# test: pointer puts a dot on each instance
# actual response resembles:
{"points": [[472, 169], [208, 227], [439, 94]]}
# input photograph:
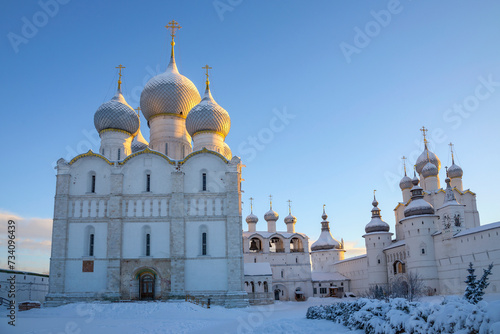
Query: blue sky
{"points": [[357, 79]]}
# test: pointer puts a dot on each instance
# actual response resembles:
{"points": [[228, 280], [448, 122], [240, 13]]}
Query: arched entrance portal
{"points": [[146, 287], [277, 294]]}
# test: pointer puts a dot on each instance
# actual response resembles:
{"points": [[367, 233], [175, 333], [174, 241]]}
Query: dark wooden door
{"points": [[147, 287], [277, 294]]}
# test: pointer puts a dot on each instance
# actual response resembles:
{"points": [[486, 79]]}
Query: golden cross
{"points": [[374, 192], [173, 25], [424, 132], [404, 162], [206, 67], [451, 147], [271, 201], [120, 75], [324, 208], [289, 207], [138, 109], [251, 204]]}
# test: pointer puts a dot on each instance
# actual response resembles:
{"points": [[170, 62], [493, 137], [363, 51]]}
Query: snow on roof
{"points": [[257, 269], [477, 229], [319, 276], [266, 234], [352, 258], [396, 244]]}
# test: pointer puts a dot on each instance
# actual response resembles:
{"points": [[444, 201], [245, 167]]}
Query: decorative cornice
{"points": [[204, 150], [209, 131], [118, 130], [147, 150], [167, 114], [89, 154]]}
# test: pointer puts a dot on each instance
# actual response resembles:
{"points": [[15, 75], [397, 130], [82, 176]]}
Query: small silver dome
{"points": [[417, 205], [208, 116], [376, 224], [271, 215], [405, 183], [290, 219], [423, 160], [430, 170], [251, 218], [455, 171], [116, 114], [139, 143], [169, 93]]}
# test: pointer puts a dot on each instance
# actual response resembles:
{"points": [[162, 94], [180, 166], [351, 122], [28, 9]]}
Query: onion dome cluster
{"points": [[116, 114]]}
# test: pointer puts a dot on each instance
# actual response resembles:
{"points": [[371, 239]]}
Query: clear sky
{"points": [[325, 97]]}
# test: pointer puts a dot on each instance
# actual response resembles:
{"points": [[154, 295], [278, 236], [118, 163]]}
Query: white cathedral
{"points": [[163, 220]]}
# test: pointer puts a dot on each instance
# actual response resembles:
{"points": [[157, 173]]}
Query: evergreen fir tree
{"points": [[475, 288], [482, 284], [470, 290]]}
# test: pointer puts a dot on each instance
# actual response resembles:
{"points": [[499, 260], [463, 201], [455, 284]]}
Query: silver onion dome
{"points": [[377, 224], [405, 183], [252, 219], [116, 114], [208, 116], [271, 215], [325, 240], [290, 219], [139, 143], [417, 205], [423, 159], [430, 170], [169, 93], [455, 171]]}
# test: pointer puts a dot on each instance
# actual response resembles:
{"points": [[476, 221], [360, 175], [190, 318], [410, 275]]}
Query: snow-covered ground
{"points": [[170, 317], [177, 317]]}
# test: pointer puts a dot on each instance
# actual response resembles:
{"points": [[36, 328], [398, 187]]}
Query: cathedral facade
{"points": [[151, 221]]}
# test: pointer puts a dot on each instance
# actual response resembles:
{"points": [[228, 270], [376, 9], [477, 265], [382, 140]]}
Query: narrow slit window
{"points": [[119, 153], [148, 182], [91, 245], [148, 244], [204, 243], [166, 148], [204, 182], [92, 184]]}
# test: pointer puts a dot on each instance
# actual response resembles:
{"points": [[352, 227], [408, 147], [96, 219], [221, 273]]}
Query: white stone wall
{"points": [[28, 286], [356, 269]]}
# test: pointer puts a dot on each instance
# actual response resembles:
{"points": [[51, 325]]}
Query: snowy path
{"points": [[174, 317]]}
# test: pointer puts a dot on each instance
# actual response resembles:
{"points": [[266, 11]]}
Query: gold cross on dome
{"points": [[271, 201], [404, 162], [206, 67], [120, 75], [424, 132], [251, 204], [289, 206], [374, 192], [451, 148], [173, 26], [138, 109]]}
